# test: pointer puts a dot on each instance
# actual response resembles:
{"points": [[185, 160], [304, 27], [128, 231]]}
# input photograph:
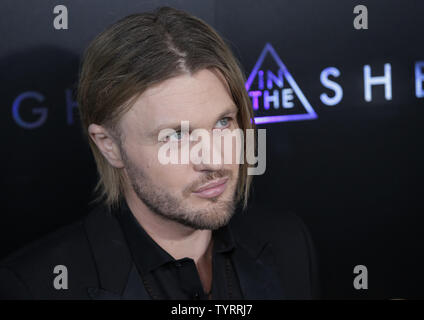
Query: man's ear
{"points": [[106, 144]]}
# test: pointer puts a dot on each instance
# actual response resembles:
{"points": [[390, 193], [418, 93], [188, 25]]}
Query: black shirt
{"points": [[167, 278]]}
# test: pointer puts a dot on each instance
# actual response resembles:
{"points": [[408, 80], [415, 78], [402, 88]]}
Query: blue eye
{"points": [[175, 136], [222, 123]]}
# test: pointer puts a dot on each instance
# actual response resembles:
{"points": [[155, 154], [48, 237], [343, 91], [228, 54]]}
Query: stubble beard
{"points": [[215, 215]]}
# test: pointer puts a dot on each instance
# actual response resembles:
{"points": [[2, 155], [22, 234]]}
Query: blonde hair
{"points": [[137, 52]]}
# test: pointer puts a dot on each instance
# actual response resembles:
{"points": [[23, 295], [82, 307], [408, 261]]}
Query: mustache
{"points": [[206, 178]]}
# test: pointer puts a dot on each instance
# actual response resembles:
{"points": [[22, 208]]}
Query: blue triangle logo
{"points": [[266, 87]]}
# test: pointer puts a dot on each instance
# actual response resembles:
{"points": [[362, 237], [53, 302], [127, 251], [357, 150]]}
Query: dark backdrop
{"points": [[352, 173]]}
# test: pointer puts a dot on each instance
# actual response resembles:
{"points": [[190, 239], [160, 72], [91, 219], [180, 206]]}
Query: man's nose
{"points": [[208, 155]]}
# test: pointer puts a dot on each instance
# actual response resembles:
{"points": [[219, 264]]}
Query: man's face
{"points": [[177, 191]]}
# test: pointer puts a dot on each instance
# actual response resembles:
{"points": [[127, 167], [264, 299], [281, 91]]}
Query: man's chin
{"points": [[207, 218], [205, 225]]}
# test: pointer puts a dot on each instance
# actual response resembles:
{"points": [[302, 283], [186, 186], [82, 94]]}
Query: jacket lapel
{"points": [[258, 279], [134, 289], [118, 276], [255, 266]]}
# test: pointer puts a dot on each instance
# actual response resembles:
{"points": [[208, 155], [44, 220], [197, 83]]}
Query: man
{"points": [[164, 231]]}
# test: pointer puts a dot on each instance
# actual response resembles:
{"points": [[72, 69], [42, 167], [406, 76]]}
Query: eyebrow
{"points": [[177, 125]]}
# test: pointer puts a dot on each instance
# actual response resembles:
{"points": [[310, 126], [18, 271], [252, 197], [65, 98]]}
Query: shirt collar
{"points": [[147, 254]]}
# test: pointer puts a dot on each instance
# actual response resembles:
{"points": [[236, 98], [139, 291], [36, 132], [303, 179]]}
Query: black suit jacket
{"points": [[274, 259]]}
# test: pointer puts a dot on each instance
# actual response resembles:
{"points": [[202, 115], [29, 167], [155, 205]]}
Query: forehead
{"points": [[198, 98]]}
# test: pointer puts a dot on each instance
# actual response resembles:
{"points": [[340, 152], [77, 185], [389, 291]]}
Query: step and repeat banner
{"points": [[338, 85]]}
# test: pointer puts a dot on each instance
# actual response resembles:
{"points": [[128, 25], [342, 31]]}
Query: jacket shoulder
{"points": [[30, 271]]}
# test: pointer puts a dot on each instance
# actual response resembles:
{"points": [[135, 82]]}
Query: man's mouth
{"points": [[212, 189]]}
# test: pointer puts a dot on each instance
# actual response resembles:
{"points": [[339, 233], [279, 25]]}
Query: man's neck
{"points": [[178, 240]]}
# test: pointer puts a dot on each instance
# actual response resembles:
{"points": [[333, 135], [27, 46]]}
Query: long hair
{"points": [[142, 50]]}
